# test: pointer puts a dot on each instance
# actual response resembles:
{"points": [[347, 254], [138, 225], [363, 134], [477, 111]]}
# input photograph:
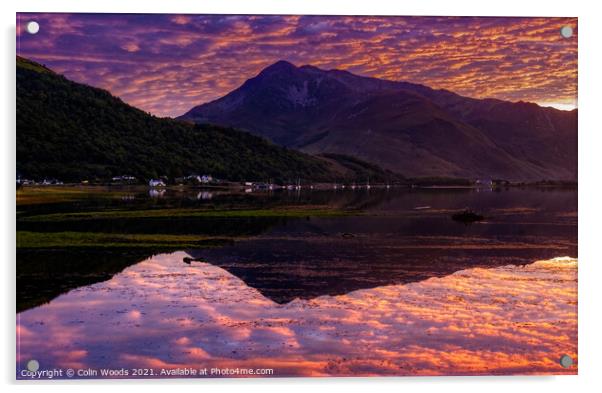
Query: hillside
{"points": [[407, 128], [72, 132]]}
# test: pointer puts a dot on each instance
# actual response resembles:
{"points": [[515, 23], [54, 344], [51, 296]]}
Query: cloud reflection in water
{"points": [[163, 313]]}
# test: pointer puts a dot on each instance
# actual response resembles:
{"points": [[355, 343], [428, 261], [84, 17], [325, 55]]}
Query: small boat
{"points": [[422, 207], [467, 216]]}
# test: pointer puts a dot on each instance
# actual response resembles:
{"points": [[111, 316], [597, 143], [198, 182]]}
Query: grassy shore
{"points": [[27, 239], [36, 195], [290, 212]]}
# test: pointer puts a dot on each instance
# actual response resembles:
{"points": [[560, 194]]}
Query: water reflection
{"points": [[204, 195], [296, 264], [400, 289], [156, 193], [164, 313], [395, 240]]}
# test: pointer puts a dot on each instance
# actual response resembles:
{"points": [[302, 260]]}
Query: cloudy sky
{"points": [[166, 64]]}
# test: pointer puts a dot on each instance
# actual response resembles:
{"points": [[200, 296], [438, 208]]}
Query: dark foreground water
{"points": [[399, 290]]}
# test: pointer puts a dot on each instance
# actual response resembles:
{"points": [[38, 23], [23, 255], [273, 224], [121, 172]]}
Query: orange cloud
{"points": [[167, 64]]}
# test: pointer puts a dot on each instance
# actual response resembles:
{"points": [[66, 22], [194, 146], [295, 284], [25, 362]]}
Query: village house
{"points": [[484, 183], [156, 183]]}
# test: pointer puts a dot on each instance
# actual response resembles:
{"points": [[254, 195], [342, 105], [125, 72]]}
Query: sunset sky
{"points": [[166, 64]]}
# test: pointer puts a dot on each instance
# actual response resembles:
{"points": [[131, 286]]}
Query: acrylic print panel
{"points": [[269, 196]]}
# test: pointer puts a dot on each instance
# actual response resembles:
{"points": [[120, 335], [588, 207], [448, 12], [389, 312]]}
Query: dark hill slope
{"points": [[72, 132]]}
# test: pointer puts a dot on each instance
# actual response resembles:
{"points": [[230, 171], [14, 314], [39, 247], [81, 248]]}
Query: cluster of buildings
{"points": [[44, 182], [124, 179], [190, 179], [128, 179], [162, 181], [195, 179]]}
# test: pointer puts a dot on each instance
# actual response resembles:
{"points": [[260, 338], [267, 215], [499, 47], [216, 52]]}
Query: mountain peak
{"points": [[280, 65]]}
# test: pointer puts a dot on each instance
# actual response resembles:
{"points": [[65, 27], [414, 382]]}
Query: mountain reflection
{"points": [[284, 269], [164, 313]]}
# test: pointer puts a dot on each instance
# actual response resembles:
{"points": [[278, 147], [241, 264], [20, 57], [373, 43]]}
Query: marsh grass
{"points": [[38, 195], [27, 239], [292, 212]]}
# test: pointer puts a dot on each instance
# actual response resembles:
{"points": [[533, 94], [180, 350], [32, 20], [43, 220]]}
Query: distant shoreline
{"points": [[315, 186]]}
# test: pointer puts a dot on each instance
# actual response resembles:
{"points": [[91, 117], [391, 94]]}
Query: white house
{"points": [[484, 182], [156, 183]]}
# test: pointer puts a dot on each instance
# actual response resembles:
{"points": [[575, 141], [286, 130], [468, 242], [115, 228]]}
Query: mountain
{"points": [[407, 128], [72, 132]]}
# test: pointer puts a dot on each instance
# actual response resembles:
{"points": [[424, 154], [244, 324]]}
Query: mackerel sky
{"points": [[166, 64]]}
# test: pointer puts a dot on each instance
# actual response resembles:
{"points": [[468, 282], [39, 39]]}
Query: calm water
{"points": [[399, 290]]}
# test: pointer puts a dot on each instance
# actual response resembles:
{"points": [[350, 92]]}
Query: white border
{"points": [[342, 7], [590, 219]]}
